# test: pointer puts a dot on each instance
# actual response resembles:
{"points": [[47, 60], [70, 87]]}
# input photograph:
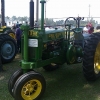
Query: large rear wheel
{"points": [[8, 48], [91, 58]]}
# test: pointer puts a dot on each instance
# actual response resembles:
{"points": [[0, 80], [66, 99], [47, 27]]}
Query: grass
{"points": [[66, 83]]}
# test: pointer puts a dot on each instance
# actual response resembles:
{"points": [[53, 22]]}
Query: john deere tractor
{"points": [[49, 49], [4, 29], [8, 47], [7, 30]]}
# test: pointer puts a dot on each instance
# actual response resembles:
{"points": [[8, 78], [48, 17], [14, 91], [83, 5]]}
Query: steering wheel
{"points": [[67, 22]]}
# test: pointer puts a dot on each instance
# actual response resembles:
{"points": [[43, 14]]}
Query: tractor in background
{"points": [[8, 46], [49, 49], [4, 29], [7, 30]]}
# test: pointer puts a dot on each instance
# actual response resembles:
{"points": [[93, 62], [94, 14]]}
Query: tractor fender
{"points": [[71, 54]]}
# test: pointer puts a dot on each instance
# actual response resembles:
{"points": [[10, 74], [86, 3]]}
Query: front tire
{"points": [[29, 86], [13, 79], [91, 58]]}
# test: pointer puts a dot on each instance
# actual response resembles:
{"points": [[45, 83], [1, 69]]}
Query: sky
{"points": [[55, 8]]}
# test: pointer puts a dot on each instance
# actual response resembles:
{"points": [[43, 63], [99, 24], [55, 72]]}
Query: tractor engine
{"points": [[52, 49]]}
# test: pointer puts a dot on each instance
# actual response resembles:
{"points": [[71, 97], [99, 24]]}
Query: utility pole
{"points": [[37, 10], [31, 13], [45, 10], [89, 12], [3, 12]]}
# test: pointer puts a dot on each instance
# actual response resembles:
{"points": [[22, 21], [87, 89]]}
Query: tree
{"points": [[14, 18]]}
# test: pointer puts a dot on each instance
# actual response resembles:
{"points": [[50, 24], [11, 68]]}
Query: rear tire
{"points": [[91, 58], [1, 66], [10, 33], [8, 48]]}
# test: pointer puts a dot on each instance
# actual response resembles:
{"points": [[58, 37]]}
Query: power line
{"points": [[68, 16]]}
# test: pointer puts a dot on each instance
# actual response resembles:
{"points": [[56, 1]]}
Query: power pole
{"points": [[31, 13], [45, 12], [37, 10], [89, 12], [3, 12]]}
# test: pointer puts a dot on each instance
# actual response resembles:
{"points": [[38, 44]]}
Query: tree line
{"points": [[48, 21]]}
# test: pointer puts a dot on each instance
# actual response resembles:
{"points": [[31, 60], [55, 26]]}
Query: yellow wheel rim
{"points": [[31, 89], [12, 35], [97, 59]]}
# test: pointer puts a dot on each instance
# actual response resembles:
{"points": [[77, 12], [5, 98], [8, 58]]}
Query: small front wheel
{"points": [[29, 86], [13, 79]]}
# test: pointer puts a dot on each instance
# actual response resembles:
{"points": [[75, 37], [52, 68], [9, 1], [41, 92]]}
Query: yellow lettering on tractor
{"points": [[55, 35], [1, 29], [33, 33], [51, 36]]}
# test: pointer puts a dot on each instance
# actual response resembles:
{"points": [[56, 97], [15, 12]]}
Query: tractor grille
{"points": [[31, 53]]}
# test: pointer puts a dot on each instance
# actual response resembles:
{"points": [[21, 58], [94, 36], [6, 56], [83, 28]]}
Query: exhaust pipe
{"points": [[31, 13]]}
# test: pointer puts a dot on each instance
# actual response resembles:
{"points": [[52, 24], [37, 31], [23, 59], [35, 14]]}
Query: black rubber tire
{"points": [[1, 66], [13, 79], [22, 80], [8, 48], [88, 57], [51, 67]]}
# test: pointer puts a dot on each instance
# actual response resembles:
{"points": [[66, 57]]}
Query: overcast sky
{"points": [[55, 8]]}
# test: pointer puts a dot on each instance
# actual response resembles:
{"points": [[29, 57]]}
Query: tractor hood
{"points": [[52, 34], [4, 28]]}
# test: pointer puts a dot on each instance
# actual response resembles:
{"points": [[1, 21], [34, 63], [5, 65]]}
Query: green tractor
{"points": [[4, 29], [7, 30], [49, 49], [8, 46]]}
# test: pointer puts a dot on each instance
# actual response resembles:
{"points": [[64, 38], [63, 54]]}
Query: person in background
{"points": [[14, 28], [98, 28], [26, 23], [17, 25], [18, 34], [36, 24], [5, 24], [86, 29], [91, 28]]}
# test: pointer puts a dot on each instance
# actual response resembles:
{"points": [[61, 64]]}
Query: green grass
{"points": [[66, 83]]}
